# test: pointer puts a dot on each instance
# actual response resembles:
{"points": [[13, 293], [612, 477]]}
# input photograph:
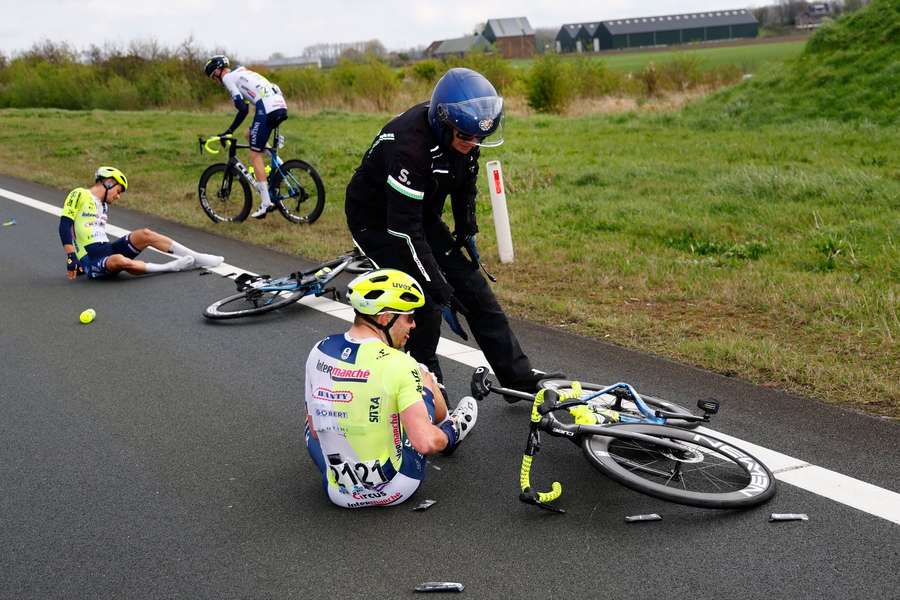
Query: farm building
{"points": [[578, 37], [294, 61], [570, 38], [459, 46], [513, 38], [590, 31], [677, 29]]}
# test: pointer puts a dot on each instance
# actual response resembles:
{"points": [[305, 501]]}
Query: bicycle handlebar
{"points": [[205, 142], [529, 495]]}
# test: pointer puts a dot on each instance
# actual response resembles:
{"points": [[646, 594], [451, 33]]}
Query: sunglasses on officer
{"points": [[468, 138]]}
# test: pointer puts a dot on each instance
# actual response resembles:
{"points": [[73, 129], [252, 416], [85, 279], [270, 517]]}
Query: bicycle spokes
{"points": [[695, 468]]}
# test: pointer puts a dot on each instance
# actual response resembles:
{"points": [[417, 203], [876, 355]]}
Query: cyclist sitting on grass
{"points": [[245, 87], [372, 412], [82, 230]]}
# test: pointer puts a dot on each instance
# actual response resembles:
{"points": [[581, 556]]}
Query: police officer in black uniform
{"points": [[394, 205]]}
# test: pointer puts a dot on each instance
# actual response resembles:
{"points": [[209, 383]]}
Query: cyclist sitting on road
{"points": [[246, 87], [373, 413], [82, 230], [394, 207]]}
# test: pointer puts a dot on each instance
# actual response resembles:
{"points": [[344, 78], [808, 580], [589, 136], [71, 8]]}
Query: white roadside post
{"points": [[501, 214]]}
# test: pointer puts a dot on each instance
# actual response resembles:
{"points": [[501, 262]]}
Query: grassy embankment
{"points": [[769, 253]]}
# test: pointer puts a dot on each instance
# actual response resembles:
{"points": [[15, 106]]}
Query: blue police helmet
{"points": [[465, 100]]}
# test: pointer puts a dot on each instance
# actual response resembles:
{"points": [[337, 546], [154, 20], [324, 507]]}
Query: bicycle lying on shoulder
{"points": [[636, 444], [258, 294], [294, 185]]}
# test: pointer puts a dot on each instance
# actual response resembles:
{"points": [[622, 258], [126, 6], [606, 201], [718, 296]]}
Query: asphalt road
{"points": [[154, 454]]}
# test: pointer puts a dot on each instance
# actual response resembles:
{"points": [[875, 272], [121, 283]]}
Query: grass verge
{"points": [[769, 253]]}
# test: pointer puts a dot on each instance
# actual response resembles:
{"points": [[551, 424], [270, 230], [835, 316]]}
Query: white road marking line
{"points": [[823, 482]]}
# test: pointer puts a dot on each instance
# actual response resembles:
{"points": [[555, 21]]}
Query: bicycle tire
{"points": [[224, 206], [629, 407], [714, 474], [250, 303], [290, 187]]}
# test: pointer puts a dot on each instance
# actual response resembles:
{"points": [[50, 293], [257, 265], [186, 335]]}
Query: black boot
{"points": [[531, 383]]}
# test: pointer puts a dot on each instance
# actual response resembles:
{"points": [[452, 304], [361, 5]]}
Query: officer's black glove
{"points": [[469, 244], [449, 311]]}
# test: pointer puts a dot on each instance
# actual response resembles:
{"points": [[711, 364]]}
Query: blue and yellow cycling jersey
{"points": [[355, 392], [89, 215]]}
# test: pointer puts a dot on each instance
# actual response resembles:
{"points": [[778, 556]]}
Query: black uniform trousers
{"points": [[485, 318]]}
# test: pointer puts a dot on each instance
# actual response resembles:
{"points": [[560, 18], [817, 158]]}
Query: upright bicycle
{"points": [[670, 463], [294, 185], [259, 294]]}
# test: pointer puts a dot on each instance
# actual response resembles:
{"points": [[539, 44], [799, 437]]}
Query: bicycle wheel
{"points": [[297, 191], [255, 301], [710, 474], [627, 407], [220, 201]]}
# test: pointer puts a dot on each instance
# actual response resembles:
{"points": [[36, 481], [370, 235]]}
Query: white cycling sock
{"points": [[263, 188], [202, 260], [179, 264]]}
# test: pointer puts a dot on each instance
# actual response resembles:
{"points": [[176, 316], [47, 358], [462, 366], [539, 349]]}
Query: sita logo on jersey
{"points": [[339, 374]]}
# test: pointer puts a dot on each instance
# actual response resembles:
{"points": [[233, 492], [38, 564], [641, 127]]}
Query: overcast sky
{"points": [[255, 29]]}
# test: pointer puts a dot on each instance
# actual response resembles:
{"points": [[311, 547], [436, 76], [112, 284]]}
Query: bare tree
{"points": [[52, 52]]}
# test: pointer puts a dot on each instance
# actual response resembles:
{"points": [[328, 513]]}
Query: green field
{"points": [[769, 253], [747, 57]]}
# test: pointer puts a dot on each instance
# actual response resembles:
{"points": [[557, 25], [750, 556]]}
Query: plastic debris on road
{"points": [[425, 504], [788, 517], [639, 518], [440, 586], [8, 223]]}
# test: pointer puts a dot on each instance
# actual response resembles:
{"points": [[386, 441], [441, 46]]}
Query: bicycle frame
{"points": [[547, 401], [315, 281], [233, 146]]}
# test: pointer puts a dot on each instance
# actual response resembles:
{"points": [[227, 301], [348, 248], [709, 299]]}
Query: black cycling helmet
{"points": [[465, 100], [218, 61]]}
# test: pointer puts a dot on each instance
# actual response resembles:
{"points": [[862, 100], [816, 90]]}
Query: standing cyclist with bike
{"points": [[248, 87], [372, 412], [394, 205], [82, 231]]}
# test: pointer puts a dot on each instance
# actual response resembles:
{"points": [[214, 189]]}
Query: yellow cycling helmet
{"points": [[112, 173], [385, 290]]}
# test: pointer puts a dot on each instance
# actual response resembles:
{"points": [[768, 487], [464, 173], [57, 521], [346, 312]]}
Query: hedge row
{"points": [[129, 82]]}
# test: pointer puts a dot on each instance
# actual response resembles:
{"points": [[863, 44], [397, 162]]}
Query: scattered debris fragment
{"points": [[788, 517], [425, 504], [440, 586], [638, 518], [8, 223]]}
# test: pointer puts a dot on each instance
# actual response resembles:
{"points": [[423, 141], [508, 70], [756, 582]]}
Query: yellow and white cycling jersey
{"points": [[90, 215], [355, 392]]}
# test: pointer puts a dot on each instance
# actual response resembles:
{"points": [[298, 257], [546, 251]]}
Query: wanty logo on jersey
{"points": [[339, 374], [334, 395]]}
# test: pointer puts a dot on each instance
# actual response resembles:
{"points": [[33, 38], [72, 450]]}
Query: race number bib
{"points": [[349, 475]]}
